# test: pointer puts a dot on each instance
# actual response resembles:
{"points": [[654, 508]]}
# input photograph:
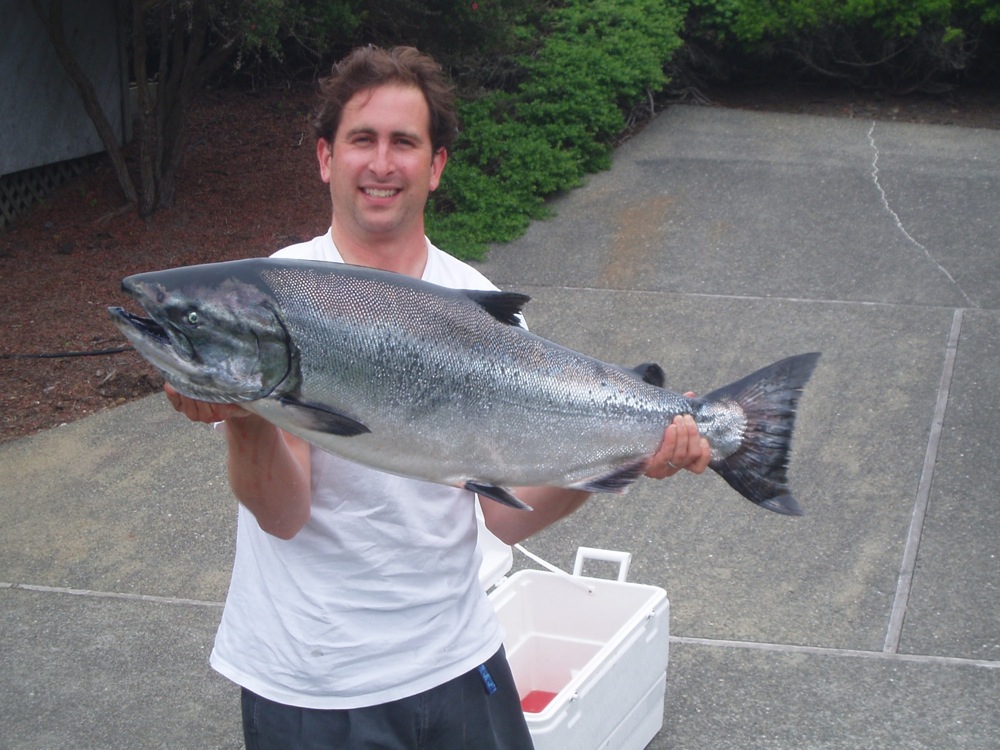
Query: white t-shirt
{"points": [[377, 598]]}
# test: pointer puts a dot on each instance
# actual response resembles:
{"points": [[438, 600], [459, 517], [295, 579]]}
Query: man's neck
{"points": [[406, 256]]}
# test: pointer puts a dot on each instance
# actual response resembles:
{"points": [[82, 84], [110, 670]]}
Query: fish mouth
{"points": [[168, 352], [148, 328], [147, 333]]}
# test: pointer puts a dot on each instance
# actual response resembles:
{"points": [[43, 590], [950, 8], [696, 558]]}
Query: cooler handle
{"points": [[624, 559]]}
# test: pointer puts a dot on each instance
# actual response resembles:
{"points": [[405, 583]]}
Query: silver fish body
{"points": [[440, 384]]}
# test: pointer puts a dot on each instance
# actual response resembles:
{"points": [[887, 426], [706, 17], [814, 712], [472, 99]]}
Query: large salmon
{"points": [[441, 384]]}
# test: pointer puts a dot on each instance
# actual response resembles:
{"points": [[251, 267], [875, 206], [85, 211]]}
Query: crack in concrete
{"points": [[899, 223]]}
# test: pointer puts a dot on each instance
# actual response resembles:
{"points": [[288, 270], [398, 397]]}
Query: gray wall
{"points": [[42, 119]]}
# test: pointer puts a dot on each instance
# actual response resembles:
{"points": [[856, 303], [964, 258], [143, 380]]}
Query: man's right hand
{"points": [[203, 411]]}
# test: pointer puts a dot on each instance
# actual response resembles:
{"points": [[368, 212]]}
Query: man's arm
{"points": [[269, 470], [682, 448]]}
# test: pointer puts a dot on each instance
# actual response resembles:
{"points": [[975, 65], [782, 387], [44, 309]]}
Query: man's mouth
{"points": [[380, 192]]}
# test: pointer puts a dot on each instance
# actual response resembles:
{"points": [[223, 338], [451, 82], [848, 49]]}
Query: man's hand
{"points": [[203, 411], [682, 448]]}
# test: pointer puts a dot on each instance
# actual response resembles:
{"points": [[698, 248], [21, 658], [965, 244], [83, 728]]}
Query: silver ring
{"points": [[672, 465]]}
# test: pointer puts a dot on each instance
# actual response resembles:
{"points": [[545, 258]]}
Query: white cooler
{"points": [[589, 655]]}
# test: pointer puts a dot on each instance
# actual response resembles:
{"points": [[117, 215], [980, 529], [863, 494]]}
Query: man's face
{"points": [[381, 166]]}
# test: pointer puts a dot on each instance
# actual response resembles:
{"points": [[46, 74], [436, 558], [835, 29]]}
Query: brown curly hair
{"points": [[370, 67]]}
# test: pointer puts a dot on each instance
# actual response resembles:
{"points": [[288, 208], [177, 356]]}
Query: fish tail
{"points": [[749, 424]]}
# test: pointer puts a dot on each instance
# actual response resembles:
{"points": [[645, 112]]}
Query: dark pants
{"points": [[462, 713]]}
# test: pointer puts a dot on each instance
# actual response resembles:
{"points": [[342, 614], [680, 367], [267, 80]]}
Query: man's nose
{"points": [[381, 163]]}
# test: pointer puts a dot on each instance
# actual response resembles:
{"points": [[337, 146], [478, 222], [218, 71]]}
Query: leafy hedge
{"points": [[897, 45], [596, 61], [765, 22]]}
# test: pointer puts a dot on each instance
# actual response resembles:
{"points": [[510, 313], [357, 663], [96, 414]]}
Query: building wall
{"points": [[42, 119]]}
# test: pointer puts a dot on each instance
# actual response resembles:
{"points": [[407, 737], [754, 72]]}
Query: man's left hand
{"points": [[683, 447]]}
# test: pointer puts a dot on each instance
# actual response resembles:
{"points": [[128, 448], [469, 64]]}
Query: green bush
{"points": [[895, 44], [473, 40], [753, 22], [595, 62]]}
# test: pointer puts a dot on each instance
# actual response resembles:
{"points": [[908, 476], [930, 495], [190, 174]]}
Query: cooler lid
{"points": [[498, 558]]}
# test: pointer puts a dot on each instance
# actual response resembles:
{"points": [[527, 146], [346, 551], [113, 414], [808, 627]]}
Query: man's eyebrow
{"points": [[368, 130]]}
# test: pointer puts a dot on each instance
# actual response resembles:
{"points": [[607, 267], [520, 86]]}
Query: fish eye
{"points": [[192, 318]]}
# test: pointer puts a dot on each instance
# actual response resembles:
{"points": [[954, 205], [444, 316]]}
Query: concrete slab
{"points": [[942, 189], [745, 699], [85, 671], [736, 203], [132, 500], [954, 605]]}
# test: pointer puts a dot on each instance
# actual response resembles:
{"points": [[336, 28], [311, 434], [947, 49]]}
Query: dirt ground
{"points": [[247, 187]]}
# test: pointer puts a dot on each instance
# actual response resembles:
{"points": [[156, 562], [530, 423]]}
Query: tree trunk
{"points": [[147, 112], [186, 64], [53, 23]]}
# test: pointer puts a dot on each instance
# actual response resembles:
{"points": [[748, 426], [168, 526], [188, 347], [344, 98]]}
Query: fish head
{"points": [[215, 334]]}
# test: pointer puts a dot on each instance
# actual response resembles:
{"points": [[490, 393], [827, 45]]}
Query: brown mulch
{"points": [[248, 186]]}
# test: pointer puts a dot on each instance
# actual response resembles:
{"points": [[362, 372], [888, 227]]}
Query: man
{"points": [[355, 618]]}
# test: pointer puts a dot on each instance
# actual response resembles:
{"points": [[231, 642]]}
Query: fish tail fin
{"points": [[757, 415]]}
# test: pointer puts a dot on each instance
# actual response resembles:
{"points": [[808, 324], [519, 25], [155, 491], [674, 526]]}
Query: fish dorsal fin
{"points": [[651, 373], [504, 306]]}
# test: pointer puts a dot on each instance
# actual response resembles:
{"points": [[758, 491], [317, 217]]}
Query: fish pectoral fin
{"points": [[618, 480], [504, 306], [493, 492], [324, 419]]}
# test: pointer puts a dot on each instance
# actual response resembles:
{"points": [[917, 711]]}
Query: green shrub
{"points": [[473, 40], [596, 60], [895, 44]]}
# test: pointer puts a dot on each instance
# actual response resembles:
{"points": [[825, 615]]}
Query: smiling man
{"points": [[355, 618], [381, 167]]}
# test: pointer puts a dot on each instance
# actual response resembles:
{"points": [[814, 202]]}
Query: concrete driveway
{"points": [[719, 241]]}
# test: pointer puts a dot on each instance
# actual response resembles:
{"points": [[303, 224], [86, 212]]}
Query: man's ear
{"points": [[324, 153], [438, 161]]}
